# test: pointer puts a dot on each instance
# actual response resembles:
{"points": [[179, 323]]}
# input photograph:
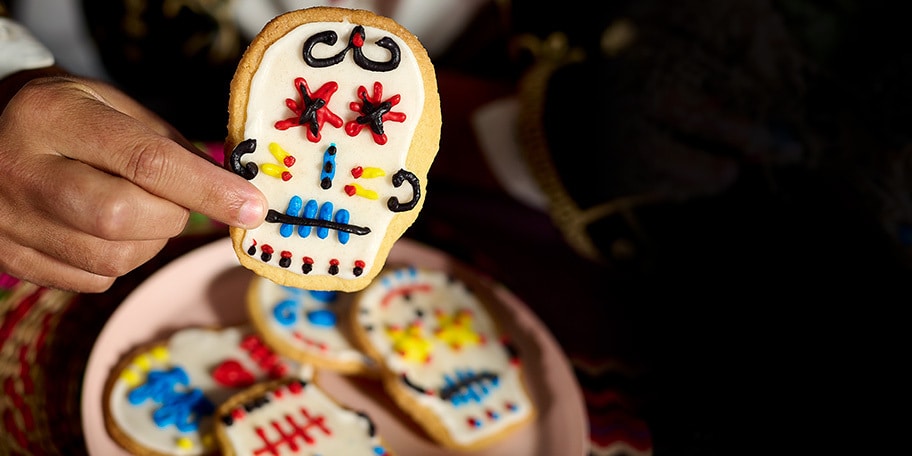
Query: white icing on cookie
{"points": [[307, 323], [362, 200], [198, 353], [433, 333], [298, 418]]}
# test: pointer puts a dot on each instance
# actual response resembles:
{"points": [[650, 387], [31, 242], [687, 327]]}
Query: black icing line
{"points": [[274, 216]]}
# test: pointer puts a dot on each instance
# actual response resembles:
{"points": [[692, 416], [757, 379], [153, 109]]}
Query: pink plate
{"points": [[206, 287]]}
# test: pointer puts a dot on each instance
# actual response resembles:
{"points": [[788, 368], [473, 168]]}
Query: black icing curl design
{"points": [[248, 171], [355, 42], [402, 176]]}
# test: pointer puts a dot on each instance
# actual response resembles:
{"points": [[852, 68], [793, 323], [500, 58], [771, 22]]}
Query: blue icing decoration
{"points": [[310, 211], [323, 318], [285, 312], [326, 212], [342, 216], [159, 386], [294, 208], [183, 411], [323, 296]]}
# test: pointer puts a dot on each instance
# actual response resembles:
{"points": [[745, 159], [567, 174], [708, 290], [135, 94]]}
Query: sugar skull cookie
{"points": [[160, 399], [334, 115], [444, 359], [294, 417], [308, 326]]}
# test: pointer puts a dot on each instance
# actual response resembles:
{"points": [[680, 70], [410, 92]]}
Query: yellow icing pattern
{"points": [[456, 329], [411, 343], [142, 364]]}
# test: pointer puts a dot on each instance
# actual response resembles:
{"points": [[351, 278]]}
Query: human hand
{"points": [[94, 185]]}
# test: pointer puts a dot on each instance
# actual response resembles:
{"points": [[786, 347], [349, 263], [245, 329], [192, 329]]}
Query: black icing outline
{"points": [[330, 37]]}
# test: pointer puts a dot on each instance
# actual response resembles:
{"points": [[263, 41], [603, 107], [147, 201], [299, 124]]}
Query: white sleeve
{"points": [[19, 50]]}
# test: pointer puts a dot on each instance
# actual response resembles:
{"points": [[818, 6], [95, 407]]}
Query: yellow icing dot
{"points": [[411, 343], [457, 330], [160, 353], [184, 443], [130, 377], [142, 362]]}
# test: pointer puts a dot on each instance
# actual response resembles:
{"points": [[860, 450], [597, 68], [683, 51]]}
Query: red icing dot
{"points": [[334, 262], [249, 342], [350, 190], [357, 172], [237, 414], [358, 40], [308, 260], [268, 249], [289, 161], [286, 176], [473, 422], [260, 353], [294, 387], [286, 254], [359, 264], [278, 371]]}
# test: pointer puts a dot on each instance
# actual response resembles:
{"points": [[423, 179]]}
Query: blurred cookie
{"points": [[159, 400], [311, 327], [444, 358], [291, 417]]}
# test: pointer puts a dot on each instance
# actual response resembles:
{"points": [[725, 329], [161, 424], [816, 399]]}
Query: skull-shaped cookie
{"points": [[335, 117], [444, 358]]}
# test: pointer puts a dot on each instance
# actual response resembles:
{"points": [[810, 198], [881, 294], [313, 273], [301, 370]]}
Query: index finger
{"points": [[121, 145]]}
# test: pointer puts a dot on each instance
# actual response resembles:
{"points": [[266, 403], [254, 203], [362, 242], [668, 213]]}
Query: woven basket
{"points": [[46, 337], [29, 319]]}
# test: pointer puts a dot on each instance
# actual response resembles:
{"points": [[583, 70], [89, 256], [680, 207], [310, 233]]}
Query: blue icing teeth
{"points": [[343, 217], [310, 211], [326, 213], [294, 207]]}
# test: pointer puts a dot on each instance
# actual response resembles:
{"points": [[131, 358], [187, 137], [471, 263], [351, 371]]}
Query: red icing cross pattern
{"points": [[295, 431]]}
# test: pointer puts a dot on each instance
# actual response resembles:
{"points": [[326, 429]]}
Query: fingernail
{"points": [[251, 214]]}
